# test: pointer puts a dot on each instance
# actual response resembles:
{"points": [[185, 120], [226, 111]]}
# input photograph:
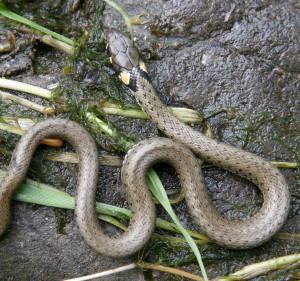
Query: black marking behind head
{"points": [[133, 77]]}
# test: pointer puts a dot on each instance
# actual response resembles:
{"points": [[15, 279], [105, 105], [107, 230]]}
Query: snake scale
{"points": [[178, 151]]}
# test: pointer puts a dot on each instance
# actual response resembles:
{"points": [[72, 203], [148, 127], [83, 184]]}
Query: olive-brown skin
{"points": [[228, 233]]}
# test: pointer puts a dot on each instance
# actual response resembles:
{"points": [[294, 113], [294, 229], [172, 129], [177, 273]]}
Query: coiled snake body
{"points": [[228, 233]]}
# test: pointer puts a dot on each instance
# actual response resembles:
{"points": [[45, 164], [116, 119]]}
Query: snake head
{"points": [[124, 56]]}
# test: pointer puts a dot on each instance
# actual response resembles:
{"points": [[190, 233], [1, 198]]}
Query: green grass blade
{"points": [[13, 16], [124, 15], [158, 190], [42, 194], [38, 193]]}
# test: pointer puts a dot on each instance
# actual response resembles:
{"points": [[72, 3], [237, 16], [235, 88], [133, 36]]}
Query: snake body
{"points": [[228, 233], [178, 152]]}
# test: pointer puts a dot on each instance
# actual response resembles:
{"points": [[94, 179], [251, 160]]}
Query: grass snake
{"points": [[178, 151]]}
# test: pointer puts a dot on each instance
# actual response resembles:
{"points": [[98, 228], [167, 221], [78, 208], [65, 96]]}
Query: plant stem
{"points": [[124, 15], [57, 44], [257, 269], [24, 87], [184, 114], [176, 271], [71, 157], [12, 129], [104, 273], [27, 103]]}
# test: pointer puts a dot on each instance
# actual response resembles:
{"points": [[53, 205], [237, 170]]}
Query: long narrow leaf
{"points": [[158, 190], [38, 193], [13, 16]]}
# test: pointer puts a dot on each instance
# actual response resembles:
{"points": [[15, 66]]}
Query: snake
{"points": [[179, 150]]}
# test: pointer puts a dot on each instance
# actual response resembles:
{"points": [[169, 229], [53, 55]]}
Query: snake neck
{"points": [[159, 114], [151, 104]]}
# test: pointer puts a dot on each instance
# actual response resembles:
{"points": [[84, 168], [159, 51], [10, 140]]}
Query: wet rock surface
{"points": [[241, 57]]}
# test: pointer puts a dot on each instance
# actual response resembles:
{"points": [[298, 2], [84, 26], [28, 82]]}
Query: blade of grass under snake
{"points": [[158, 190], [37, 193]]}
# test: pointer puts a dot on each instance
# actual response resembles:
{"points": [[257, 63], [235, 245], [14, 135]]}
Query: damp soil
{"points": [[236, 63]]}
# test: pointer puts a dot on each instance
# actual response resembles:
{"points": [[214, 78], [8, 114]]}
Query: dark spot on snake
{"points": [[142, 73], [132, 82], [16, 164]]}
